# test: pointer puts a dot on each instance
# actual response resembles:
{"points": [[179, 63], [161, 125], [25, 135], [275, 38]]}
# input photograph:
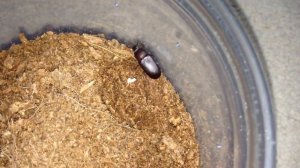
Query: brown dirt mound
{"points": [[69, 100]]}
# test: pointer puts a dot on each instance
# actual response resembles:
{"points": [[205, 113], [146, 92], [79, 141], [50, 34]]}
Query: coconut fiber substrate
{"points": [[70, 100]]}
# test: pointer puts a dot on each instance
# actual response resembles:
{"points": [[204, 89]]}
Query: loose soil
{"points": [[70, 100]]}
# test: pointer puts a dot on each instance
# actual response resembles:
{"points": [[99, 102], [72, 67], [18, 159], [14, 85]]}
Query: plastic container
{"points": [[201, 47]]}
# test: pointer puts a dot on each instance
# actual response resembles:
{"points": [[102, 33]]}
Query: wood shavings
{"points": [[87, 86], [23, 38], [8, 62]]}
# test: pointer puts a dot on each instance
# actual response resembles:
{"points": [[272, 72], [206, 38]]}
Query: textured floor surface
{"points": [[277, 26]]}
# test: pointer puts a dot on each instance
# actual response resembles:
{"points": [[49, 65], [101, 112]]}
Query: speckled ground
{"points": [[277, 26]]}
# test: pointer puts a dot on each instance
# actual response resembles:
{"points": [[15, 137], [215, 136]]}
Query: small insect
{"points": [[146, 62]]}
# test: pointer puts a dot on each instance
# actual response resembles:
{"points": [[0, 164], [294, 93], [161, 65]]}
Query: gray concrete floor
{"points": [[276, 24]]}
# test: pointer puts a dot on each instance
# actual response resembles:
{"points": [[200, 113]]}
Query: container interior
{"points": [[183, 49]]}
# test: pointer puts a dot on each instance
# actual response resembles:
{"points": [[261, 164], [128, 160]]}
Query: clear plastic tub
{"points": [[201, 47]]}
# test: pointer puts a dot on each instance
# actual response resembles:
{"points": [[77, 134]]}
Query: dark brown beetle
{"points": [[146, 62]]}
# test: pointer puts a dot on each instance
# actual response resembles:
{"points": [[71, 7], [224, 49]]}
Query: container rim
{"points": [[236, 30]]}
